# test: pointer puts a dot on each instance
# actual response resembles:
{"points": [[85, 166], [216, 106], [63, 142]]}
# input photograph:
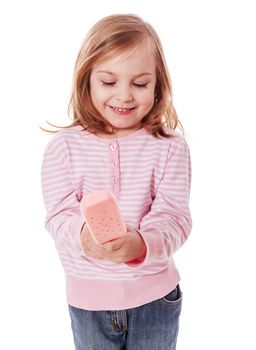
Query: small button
{"points": [[113, 147], [114, 180], [114, 164]]}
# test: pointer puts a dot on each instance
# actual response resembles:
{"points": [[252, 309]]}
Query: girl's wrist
{"points": [[143, 247]]}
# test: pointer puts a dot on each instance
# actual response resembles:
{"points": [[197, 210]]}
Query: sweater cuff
{"points": [[75, 227]]}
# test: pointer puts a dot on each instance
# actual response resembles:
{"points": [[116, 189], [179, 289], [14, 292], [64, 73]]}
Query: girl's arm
{"points": [[168, 224], [63, 219]]}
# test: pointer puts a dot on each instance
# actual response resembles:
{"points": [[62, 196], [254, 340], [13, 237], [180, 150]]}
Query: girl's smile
{"points": [[122, 111]]}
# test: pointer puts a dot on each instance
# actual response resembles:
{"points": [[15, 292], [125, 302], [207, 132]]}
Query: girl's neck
{"points": [[104, 137], [119, 134]]}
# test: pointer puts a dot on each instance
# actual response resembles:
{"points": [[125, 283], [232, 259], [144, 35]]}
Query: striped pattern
{"points": [[151, 180]]}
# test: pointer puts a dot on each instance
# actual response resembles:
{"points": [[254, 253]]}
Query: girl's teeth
{"points": [[121, 109]]}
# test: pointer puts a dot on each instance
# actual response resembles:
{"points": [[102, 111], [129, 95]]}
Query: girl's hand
{"points": [[120, 250]]}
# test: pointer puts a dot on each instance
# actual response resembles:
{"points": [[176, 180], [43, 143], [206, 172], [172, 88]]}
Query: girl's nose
{"points": [[125, 94]]}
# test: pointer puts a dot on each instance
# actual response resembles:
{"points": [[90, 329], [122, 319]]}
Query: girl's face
{"points": [[122, 88]]}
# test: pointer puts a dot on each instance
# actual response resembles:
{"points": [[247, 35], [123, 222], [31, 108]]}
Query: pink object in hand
{"points": [[103, 216]]}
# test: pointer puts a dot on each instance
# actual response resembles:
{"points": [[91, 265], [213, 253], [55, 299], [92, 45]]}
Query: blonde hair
{"points": [[113, 35]]}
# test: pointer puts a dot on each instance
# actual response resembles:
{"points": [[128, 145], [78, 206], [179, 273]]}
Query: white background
{"points": [[210, 49]]}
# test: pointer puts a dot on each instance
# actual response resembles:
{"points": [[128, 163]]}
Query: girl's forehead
{"points": [[138, 56]]}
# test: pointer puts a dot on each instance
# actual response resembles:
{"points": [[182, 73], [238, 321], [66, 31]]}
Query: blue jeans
{"points": [[151, 326]]}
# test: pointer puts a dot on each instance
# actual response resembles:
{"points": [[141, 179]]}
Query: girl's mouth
{"points": [[121, 111]]}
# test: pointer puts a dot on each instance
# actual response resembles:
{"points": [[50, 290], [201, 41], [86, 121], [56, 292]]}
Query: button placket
{"points": [[113, 147], [114, 170]]}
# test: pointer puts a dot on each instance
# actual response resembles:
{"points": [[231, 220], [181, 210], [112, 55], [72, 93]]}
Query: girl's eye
{"points": [[140, 85], [108, 83], [111, 83]]}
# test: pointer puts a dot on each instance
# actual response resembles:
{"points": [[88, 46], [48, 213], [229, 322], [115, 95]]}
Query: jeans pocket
{"points": [[174, 297]]}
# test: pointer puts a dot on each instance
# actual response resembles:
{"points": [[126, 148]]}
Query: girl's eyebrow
{"points": [[111, 73]]}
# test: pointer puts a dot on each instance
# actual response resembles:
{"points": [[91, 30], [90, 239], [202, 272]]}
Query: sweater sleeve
{"points": [[63, 219], [168, 224]]}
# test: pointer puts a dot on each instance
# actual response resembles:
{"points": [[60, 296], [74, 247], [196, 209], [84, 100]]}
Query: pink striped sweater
{"points": [[151, 180]]}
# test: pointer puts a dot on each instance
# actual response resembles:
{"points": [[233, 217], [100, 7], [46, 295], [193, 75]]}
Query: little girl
{"points": [[123, 294]]}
